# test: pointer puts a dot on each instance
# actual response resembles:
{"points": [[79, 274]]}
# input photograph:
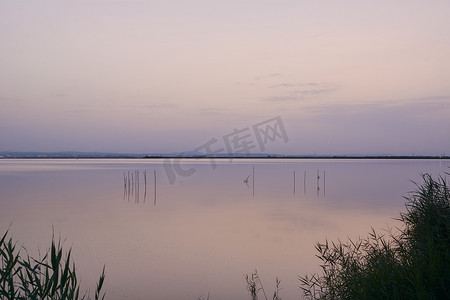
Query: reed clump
{"points": [[51, 277], [255, 286], [413, 263]]}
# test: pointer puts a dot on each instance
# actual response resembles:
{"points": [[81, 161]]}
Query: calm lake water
{"points": [[203, 232]]}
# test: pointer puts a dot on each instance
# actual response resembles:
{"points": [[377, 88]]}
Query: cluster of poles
{"points": [[317, 182], [132, 185]]}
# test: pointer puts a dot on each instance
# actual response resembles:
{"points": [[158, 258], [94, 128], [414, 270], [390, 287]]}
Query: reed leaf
{"points": [[52, 277]]}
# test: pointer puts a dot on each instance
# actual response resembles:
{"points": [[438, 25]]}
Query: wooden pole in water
{"points": [[129, 185], [304, 182], [136, 178], [318, 177], [145, 184], [324, 183], [154, 174], [294, 182], [124, 185]]}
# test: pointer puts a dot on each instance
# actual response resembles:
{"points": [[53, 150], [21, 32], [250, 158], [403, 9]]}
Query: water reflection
{"points": [[132, 186], [304, 183], [138, 184], [206, 230], [320, 182]]}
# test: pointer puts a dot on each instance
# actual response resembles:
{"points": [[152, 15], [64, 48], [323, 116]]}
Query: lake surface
{"points": [[200, 232]]}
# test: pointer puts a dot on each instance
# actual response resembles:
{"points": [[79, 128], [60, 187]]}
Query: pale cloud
{"points": [[302, 91], [313, 92], [211, 111], [6, 99], [283, 98], [151, 106], [392, 127], [301, 84], [268, 76], [395, 107]]}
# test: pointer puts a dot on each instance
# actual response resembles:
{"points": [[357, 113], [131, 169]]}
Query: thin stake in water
{"points": [[124, 185], [154, 174], [145, 184], [318, 177], [129, 186], [304, 182], [137, 186], [294, 182]]}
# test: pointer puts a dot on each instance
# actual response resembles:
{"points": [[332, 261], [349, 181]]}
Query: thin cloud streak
{"points": [[309, 84], [301, 95]]}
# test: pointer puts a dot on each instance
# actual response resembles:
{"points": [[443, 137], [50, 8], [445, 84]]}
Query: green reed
{"points": [[254, 286], [51, 277], [413, 263]]}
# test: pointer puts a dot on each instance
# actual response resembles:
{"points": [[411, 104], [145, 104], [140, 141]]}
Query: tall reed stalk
{"points": [[50, 277], [413, 263]]}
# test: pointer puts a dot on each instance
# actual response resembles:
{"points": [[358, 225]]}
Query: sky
{"points": [[344, 77]]}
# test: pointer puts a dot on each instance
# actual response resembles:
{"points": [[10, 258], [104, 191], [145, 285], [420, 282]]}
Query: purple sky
{"points": [[167, 76]]}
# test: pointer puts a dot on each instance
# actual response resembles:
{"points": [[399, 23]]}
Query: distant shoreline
{"points": [[70, 155], [300, 157]]}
